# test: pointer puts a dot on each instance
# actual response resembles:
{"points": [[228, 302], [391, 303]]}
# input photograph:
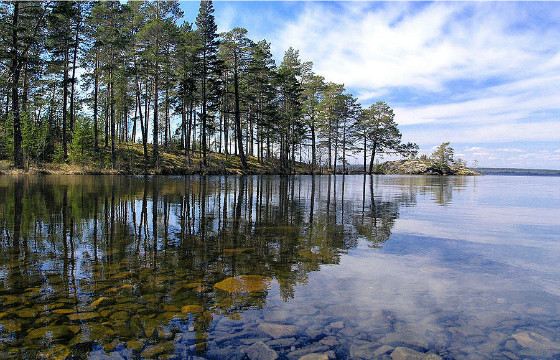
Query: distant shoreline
{"points": [[518, 172]]}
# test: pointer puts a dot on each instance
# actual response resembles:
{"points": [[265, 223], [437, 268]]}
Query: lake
{"points": [[264, 266]]}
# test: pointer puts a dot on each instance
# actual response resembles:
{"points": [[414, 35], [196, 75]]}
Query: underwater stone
{"points": [[85, 316], [243, 284], [135, 345], [102, 301], [260, 351], [53, 332], [404, 353], [277, 330], [318, 356], [55, 352], [63, 311], [191, 309], [158, 349], [535, 341], [382, 350], [26, 313]]}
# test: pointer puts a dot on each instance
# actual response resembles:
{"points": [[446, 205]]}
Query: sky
{"points": [[483, 75]]}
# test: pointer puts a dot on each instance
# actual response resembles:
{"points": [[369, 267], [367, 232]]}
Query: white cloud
{"points": [[519, 100], [541, 131], [429, 51], [397, 45]]}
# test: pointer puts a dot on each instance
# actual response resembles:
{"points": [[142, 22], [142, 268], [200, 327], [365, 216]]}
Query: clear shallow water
{"points": [[346, 267]]}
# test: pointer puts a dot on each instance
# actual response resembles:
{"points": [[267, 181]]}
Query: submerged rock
{"points": [[535, 341], [85, 316], [191, 309], [337, 325], [260, 351], [26, 313], [309, 349], [102, 301], [10, 326], [244, 284], [329, 341], [8, 300], [283, 342], [277, 330], [319, 356], [63, 311], [156, 350], [382, 350], [52, 332], [135, 345], [55, 352], [404, 353]]}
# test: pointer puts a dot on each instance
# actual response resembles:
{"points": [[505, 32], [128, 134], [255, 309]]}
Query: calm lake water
{"points": [[258, 267]]}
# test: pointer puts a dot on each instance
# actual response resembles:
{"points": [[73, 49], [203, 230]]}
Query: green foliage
{"points": [[81, 149], [442, 158], [146, 74], [6, 138], [35, 138]]}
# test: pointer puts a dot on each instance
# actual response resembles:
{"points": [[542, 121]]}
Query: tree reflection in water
{"points": [[89, 261]]}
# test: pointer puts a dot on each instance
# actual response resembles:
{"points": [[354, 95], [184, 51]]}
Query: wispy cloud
{"points": [[411, 45], [470, 73]]}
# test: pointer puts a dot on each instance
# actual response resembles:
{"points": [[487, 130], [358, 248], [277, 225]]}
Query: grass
{"points": [[130, 160]]}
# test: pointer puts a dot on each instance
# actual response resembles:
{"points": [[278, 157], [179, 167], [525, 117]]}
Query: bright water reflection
{"points": [[228, 267]]}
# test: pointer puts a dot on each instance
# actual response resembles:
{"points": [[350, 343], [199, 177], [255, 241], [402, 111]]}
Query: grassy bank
{"points": [[130, 161]]}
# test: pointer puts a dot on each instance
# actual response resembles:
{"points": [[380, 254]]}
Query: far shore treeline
{"points": [[105, 84]]}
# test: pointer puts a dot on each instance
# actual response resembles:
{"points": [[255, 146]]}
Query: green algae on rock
{"points": [[244, 284], [85, 316], [158, 349], [55, 352], [191, 309], [135, 345], [56, 332], [102, 301]]}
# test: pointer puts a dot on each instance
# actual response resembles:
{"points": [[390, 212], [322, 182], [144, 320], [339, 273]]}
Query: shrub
{"points": [[82, 145]]}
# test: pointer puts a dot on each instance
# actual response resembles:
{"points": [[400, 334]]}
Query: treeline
{"points": [[81, 77]]}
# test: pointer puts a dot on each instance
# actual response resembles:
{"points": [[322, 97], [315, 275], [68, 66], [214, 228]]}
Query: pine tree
{"points": [[235, 50], [380, 131], [208, 68], [290, 90], [313, 87], [156, 37], [24, 23], [261, 79]]}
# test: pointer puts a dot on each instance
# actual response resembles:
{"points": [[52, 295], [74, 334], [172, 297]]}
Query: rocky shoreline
{"points": [[423, 167]]}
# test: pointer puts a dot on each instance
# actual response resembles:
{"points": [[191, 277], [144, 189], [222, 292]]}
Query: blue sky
{"points": [[483, 75]]}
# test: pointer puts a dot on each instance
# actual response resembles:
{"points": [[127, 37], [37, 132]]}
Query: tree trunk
{"points": [[112, 107], [365, 155], [143, 129], [155, 154], [226, 115], [167, 136], [64, 105], [203, 133], [238, 116], [313, 147], [15, 69], [373, 150], [95, 97], [106, 119], [75, 57], [183, 122]]}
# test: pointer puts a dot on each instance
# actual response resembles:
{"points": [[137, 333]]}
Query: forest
{"points": [[90, 82]]}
